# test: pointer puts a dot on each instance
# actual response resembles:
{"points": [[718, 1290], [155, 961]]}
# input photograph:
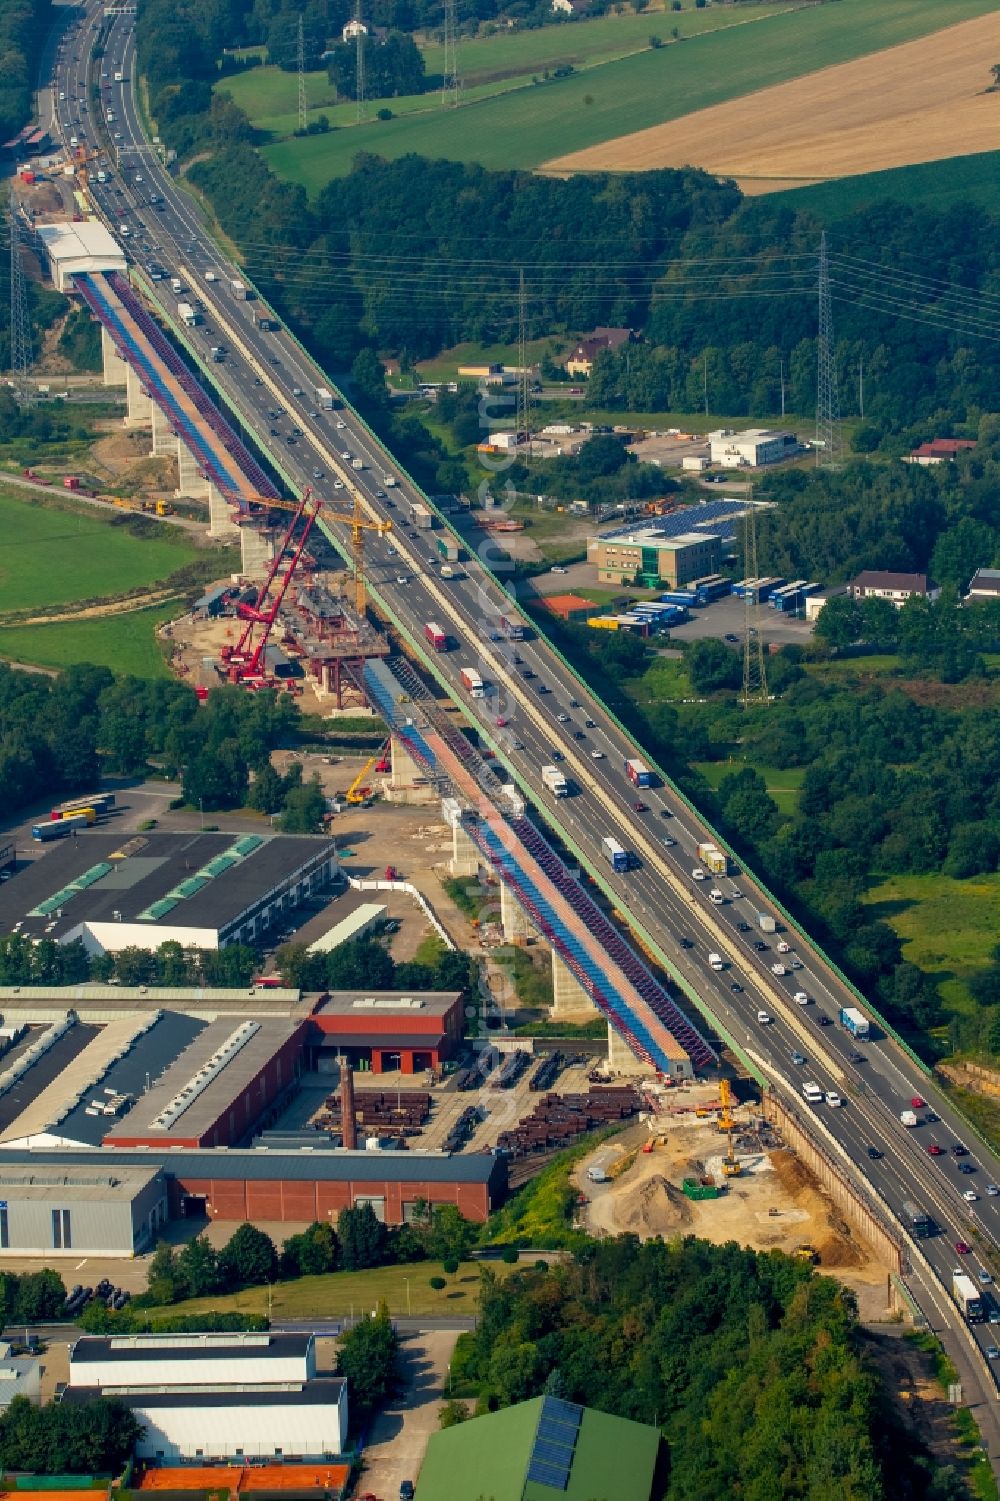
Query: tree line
{"points": [[251, 1259], [63, 1438], [24, 25], [751, 1366]]}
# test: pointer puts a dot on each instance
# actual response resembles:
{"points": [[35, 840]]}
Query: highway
{"points": [[665, 906]]}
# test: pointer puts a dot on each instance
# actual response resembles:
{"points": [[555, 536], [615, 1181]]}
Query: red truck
{"points": [[436, 636]]}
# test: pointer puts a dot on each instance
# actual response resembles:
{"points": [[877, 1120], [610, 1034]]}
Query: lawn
{"points": [[340, 1293], [783, 783], [936, 185], [125, 643], [534, 124], [666, 680], [948, 928], [54, 556]]}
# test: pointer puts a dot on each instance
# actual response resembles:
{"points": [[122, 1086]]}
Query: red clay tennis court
{"points": [[23, 1495], [331, 1479]]}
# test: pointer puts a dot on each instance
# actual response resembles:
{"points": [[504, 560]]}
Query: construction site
{"points": [[701, 1163]]}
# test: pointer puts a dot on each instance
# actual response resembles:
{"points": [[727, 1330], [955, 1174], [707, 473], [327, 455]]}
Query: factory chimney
{"points": [[348, 1124]]}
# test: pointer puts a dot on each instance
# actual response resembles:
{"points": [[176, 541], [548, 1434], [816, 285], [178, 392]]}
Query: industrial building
{"points": [[289, 1184], [205, 1397], [752, 448], [654, 557], [390, 1030], [219, 1089], [544, 1448], [64, 1210], [81, 247], [115, 891]]}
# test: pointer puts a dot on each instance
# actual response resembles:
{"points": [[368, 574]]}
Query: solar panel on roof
{"points": [[562, 1412], [543, 1474], [557, 1433], [553, 1453]]}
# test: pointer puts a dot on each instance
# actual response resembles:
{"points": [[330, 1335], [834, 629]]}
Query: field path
{"points": [[921, 101]]}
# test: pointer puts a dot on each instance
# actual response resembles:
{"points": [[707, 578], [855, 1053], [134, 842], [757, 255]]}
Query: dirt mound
{"points": [[653, 1207], [792, 1173]]}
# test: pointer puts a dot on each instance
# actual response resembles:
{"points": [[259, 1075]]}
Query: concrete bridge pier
{"points": [[517, 926], [256, 548], [464, 854], [569, 999], [621, 1058], [114, 368], [139, 412], [191, 481], [164, 437]]}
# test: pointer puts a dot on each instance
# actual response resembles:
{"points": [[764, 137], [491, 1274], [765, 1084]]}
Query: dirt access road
{"points": [[923, 101]]}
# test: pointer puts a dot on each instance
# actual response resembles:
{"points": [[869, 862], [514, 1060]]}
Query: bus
{"points": [[616, 857]]}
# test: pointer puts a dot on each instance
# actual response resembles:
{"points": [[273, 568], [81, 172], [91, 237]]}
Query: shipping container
{"points": [[615, 855], [852, 1019], [436, 636], [684, 597], [715, 859], [42, 833], [638, 773], [101, 802]]}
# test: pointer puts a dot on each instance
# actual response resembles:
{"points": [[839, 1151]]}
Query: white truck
{"points": [[716, 962], [968, 1297], [239, 289], [176, 285], [389, 481], [713, 858], [324, 398], [812, 1093], [909, 1118], [188, 314], [553, 779], [766, 922], [357, 463], [472, 683]]}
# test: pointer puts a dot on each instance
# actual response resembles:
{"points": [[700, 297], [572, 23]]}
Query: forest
{"points": [[23, 28], [752, 1367]]}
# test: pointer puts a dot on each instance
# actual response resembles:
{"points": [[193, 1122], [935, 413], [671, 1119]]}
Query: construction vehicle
{"points": [[806, 1252], [730, 1167], [358, 793]]}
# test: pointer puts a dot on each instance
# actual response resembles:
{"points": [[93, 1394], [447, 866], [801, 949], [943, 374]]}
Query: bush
{"points": [[451, 1266], [438, 1283], [509, 1254]]}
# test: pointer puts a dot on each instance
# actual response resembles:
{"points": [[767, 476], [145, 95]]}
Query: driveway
{"points": [[398, 1437]]}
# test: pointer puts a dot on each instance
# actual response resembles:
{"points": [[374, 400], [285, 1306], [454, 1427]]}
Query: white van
{"points": [[715, 897], [764, 1018], [715, 961], [812, 1093], [597, 1175]]}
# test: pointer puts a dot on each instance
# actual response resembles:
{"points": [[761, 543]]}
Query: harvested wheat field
{"points": [[922, 101]]}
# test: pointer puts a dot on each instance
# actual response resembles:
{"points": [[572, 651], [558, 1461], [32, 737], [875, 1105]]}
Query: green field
{"points": [[936, 185], [533, 124], [783, 783], [125, 643], [949, 928], [338, 1293], [54, 556]]}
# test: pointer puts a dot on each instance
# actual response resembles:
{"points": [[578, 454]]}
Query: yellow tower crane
{"points": [[356, 520]]}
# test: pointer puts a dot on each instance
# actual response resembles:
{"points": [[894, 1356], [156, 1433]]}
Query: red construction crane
{"points": [[246, 659]]}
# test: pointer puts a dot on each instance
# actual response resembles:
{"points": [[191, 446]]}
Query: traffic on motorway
{"points": [[549, 716]]}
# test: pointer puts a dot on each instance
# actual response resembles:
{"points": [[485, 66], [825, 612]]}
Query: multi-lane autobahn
{"points": [[549, 712]]}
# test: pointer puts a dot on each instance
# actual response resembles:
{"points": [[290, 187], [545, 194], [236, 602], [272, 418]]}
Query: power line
{"points": [[360, 37]]}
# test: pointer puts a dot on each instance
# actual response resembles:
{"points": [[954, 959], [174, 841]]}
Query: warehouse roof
{"points": [[194, 880], [387, 1003], [234, 1346], [198, 1086], [320, 1391], [537, 1450], [110, 1185], [261, 1164]]}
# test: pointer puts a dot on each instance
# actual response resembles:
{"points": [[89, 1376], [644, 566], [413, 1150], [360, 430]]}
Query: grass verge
{"points": [[946, 927], [406, 1290], [541, 1213]]}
